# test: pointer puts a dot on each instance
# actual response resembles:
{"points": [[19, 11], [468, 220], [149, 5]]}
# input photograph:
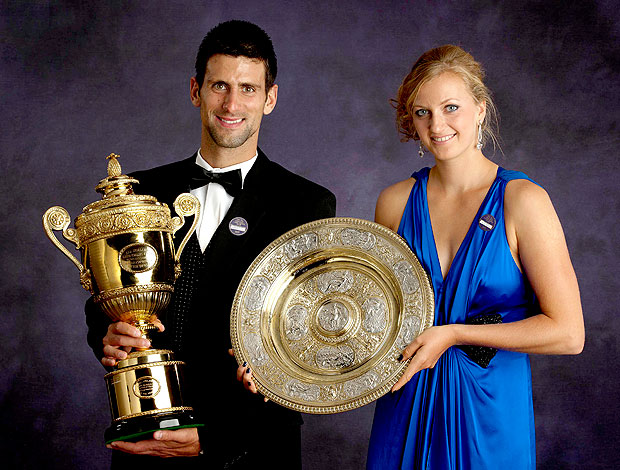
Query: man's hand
{"points": [[121, 339], [178, 443]]}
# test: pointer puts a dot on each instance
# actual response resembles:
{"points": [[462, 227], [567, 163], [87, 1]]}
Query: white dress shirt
{"points": [[214, 199]]}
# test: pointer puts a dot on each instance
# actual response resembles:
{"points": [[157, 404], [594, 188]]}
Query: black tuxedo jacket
{"points": [[273, 201]]}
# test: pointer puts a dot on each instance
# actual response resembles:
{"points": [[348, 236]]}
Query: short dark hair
{"points": [[237, 38]]}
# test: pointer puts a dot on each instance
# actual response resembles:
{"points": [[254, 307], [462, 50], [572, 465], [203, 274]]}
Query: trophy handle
{"points": [[57, 218], [185, 204]]}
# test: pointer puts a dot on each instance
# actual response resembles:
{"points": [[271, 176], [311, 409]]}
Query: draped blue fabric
{"points": [[460, 415]]}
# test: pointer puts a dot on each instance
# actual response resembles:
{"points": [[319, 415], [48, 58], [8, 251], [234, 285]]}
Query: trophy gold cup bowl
{"points": [[129, 265]]}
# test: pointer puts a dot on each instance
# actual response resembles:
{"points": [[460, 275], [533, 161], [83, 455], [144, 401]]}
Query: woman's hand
{"points": [[244, 375], [425, 351]]}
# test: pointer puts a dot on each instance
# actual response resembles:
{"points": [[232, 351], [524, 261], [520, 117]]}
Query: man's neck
{"points": [[221, 157]]}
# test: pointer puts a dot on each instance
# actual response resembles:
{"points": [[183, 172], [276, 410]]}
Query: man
{"points": [[233, 87]]}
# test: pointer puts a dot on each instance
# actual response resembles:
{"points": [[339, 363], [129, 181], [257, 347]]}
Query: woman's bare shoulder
{"points": [[391, 203], [523, 197]]}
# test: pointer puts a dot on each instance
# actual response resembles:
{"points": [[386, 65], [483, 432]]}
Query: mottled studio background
{"points": [[79, 80]]}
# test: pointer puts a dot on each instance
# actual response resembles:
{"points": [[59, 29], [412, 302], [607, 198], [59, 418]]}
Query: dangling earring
{"points": [[479, 144], [421, 150]]}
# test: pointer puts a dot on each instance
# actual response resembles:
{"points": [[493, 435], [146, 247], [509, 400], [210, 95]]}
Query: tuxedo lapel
{"points": [[178, 180]]}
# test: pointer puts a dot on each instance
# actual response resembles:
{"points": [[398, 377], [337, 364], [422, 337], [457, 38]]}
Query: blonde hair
{"points": [[447, 58]]}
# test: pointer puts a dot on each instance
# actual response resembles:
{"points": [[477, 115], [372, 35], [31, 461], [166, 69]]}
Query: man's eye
{"points": [[219, 86], [452, 107], [248, 89], [421, 112]]}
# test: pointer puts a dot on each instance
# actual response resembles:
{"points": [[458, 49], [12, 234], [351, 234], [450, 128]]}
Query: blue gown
{"points": [[460, 415]]}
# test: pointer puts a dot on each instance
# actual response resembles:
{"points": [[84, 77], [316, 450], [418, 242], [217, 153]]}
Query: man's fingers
{"points": [[180, 436], [114, 352], [129, 447], [123, 328], [166, 436], [112, 339], [108, 361]]}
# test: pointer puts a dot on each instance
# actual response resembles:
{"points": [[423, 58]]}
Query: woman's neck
{"points": [[463, 174]]}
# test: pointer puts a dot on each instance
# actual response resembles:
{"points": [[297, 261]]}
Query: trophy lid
{"points": [[120, 210], [116, 184], [117, 189]]}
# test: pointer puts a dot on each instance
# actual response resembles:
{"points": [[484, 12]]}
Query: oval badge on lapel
{"points": [[238, 226], [487, 222]]}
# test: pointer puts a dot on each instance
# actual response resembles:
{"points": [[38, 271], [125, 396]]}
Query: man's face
{"points": [[233, 100]]}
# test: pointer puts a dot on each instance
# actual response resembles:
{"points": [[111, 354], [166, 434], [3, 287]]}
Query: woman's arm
{"points": [[535, 235]]}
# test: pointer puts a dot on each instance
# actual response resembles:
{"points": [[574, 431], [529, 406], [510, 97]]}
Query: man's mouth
{"points": [[443, 139], [229, 121]]}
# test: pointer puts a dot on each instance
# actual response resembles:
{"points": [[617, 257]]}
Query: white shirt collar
{"points": [[245, 166]]}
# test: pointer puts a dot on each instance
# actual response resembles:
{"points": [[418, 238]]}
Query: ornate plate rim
{"points": [[370, 396]]}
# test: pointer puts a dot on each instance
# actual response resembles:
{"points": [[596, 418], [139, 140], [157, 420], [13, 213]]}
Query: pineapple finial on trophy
{"points": [[116, 183], [114, 168]]}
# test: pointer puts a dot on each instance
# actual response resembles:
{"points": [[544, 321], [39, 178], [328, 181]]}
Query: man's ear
{"points": [[272, 98], [194, 92]]}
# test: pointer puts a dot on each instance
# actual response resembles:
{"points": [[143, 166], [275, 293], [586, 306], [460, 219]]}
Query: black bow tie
{"points": [[229, 180]]}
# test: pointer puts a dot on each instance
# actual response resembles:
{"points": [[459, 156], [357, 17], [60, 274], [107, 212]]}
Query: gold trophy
{"points": [[129, 265]]}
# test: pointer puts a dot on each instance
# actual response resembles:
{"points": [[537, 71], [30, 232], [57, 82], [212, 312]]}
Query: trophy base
{"points": [[139, 428]]}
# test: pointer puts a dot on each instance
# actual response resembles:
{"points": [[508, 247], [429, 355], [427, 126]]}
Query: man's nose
{"points": [[231, 101]]}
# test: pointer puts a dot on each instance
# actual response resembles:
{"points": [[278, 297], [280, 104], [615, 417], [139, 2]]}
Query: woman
{"points": [[503, 281]]}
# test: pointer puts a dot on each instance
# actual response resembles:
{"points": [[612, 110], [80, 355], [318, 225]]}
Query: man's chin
{"points": [[229, 141]]}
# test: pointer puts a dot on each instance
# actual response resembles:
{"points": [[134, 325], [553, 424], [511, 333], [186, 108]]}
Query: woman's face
{"points": [[446, 116]]}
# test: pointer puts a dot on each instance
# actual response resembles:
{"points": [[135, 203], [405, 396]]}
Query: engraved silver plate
{"points": [[323, 313]]}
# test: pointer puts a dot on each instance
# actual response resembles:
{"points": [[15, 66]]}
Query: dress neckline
{"points": [[468, 234]]}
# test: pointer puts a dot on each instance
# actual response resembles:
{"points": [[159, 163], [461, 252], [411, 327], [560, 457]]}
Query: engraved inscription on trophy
{"points": [[137, 257], [146, 387], [374, 310], [295, 323]]}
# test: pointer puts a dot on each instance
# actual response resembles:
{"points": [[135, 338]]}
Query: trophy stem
{"points": [[146, 329]]}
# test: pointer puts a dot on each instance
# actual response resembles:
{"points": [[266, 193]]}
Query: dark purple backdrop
{"points": [[79, 82]]}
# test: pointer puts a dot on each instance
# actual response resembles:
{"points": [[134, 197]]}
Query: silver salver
{"points": [[323, 313]]}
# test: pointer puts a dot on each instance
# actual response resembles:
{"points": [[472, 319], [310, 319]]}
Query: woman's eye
{"points": [[421, 112], [452, 107]]}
